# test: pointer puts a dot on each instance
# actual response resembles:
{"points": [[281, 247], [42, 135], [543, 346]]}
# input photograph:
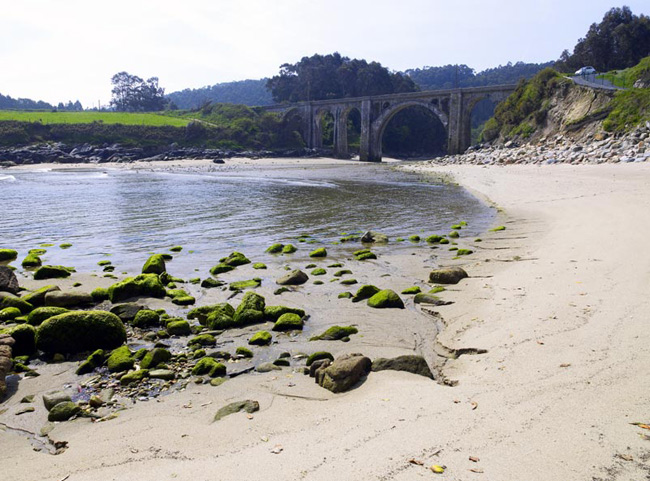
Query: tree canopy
{"points": [[132, 94], [333, 76], [245, 92], [620, 41]]}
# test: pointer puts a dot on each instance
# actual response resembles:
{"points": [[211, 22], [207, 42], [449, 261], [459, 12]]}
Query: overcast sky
{"points": [[59, 50]]}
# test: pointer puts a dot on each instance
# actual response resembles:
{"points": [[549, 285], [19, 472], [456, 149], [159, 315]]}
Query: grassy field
{"points": [[626, 78], [124, 118]]}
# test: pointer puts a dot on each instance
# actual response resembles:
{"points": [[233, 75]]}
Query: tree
{"points": [[133, 94]]}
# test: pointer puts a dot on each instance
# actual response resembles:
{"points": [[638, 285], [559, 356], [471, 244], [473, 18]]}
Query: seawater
{"points": [[123, 215]]}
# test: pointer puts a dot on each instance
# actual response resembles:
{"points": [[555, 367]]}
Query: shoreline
{"points": [[535, 300]]}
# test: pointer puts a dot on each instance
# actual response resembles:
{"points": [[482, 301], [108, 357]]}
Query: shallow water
{"points": [[127, 214]]}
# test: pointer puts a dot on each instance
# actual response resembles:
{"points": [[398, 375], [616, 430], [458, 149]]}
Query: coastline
{"points": [[536, 301]]}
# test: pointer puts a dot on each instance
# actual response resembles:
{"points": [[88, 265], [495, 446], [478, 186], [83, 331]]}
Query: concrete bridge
{"points": [[453, 107]]}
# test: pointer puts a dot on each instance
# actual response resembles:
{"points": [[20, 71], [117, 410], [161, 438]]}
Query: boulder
{"points": [[9, 314], [146, 318], [209, 366], [154, 265], [408, 363], [202, 313], [121, 359], [127, 311], [344, 373], [78, 331], [37, 297], [40, 314], [179, 328], [8, 281], [448, 275], [51, 399], [288, 322], [133, 377], [10, 300], [154, 357], [374, 237], [386, 299], [317, 356], [24, 335], [63, 411], [93, 361], [235, 259], [7, 255], [144, 285], [68, 299], [273, 313], [260, 338], [294, 278], [52, 272], [232, 408], [365, 292], [320, 252]]}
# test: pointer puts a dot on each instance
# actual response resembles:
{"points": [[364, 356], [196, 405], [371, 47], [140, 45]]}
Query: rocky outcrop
{"points": [[6, 342], [342, 374]]}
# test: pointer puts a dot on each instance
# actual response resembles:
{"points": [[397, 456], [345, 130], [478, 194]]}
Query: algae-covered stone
{"points": [[244, 351], [52, 272], [412, 290], [211, 283], [68, 299], [294, 278], [498, 229], [365, 292], [203, 312], [232, 408], [154, 265], [40, 314], [24, 336], [127, 311], [51, 399], [8, 255], [241, 285], [259, 265], [336, 333], [464, 252], [63, 411], [37, 297], [414, 238], [345, 295], [9, 314], [364, 254], [273, 313], [180, 297], [176, 249], [10, 300], [121, 359], [179, 328], [317, 356], [386, 299], [274, 248], [31, 260], [342, 272], [99, 294], [143, 285], [92, 362], [374, 237], [454, 234], [235, 259], [248, 317], [260, 338], [289, 249], [318, 272], [344, 373], [209, 366], [78, 331], [202, 340], [409, 363], [251, 300], [134, 377], [221, 268], [146, 318], [448, 275], [434, 239], [155, 357], [288, 322], [348, 282], [320, 252]]}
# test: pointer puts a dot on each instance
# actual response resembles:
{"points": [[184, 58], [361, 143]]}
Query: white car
{"points": [[586, 71]]}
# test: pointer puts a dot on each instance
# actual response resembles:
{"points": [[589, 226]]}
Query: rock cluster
{"points": [[6, 341]]}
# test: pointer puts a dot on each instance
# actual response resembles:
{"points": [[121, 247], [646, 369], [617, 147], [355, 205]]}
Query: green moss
{"points": [[31, 260], [99, 294], [454, 234], [464, 252], [154, 357], [478, 239], [203, 313], [63, 411], [202, 340], [176, 249], [412, 290], [333, 266], [235, 259], [310, 266], [498, 229], [437, 289], [104, 263], [434, 239], [92, 362], [336, 333], [209, 366], [345, 295], [146, 318], [8, 255], [144, 285], [211, 283], [134, 377], [241, 285], [320, 252], [317, 356], [65, 245], [180, 297], [289, 249], [9, 314], [244, 351], [365, 292], [364, 254], [288, 322], [259, 265], [247, 317], [386, 299], [318, 272], [274, 248], [273, 313], [154, 265], [260, 338], [414, 238], [179, 328], [220, 269], [52, 272], [41, 314], [348, 282], [342, 272], [444, 241], [25, 339], [452, 249], [318, 282], [8, 300], [121, 359]]}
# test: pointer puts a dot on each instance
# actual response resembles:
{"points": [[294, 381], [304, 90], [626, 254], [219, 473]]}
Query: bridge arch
{"points": [[389, 110]]}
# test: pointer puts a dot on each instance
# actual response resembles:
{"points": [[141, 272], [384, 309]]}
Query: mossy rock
{"points": [[345, 295], [140, 353], [121, 359], [336, 333], [428, 298], [414, 238], [259, 265], [41, 314], [92, 362], [498, 229], [37, 298], [289, 249], [10, 300], [176, 249], [104, 262], [247, 317], [365, 292], [244, 351], [209, 366], [154, 265], [154, 357], [274, 248], [134, 377], [143, 285], [179, 328], [317, 356], [195, 280], [251, 300], [63, 411], [412, 290], [99, 294], [288, 322], [52, 272], [386, 299], [364, 254], [181, 298], [318, 272], [320, 252], [444, 241], [273, 313], [454, 234], [25, 340], [31, 260], [202, 340], [437, 289], [220, 269], [211, 283], [260, 338], [8, 255], [348, 282], [249, 284], [434, 239], [78, 331], [146, 318], [9, 314], [478, 239], [219, 321], [457, 226], [449, 275], [235, 259], [342, 272], [202, 313], [464, 252]]}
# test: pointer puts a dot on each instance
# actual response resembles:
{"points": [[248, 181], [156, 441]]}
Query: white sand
{"points": [[561, 307]]}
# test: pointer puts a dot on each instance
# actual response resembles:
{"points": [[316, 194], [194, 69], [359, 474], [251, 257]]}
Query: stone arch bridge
{"points": [[453, 107]]}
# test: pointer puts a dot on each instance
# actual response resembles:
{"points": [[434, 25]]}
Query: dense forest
{"points": [[244, 92], [8, 103]]}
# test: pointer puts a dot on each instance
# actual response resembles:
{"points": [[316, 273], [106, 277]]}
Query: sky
{"points": [[60, 50]]}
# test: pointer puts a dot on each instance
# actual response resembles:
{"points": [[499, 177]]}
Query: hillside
{"points": [[245, 92]]}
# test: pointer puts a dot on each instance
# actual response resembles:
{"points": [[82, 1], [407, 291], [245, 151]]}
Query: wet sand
{"points": [[558, 301]]}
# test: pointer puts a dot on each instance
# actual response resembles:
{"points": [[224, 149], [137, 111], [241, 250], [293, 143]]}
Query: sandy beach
{"points": [[556, 302]]}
